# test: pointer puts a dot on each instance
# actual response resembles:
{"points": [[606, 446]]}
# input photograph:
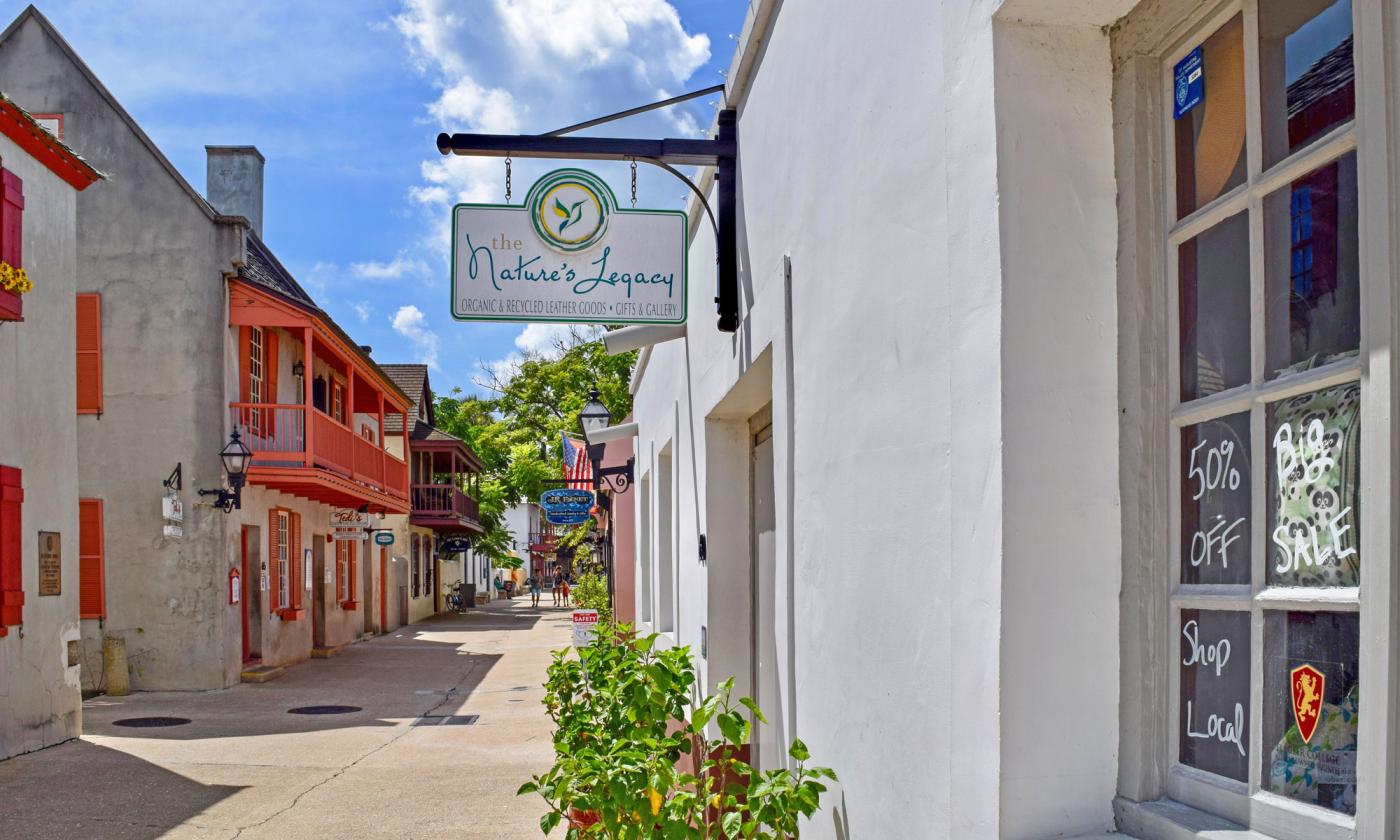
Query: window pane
{"points": [[1215, 503], [1315, 441], [1210, 157], [1311, 269], [1215, 692], [1213, 295], [1306, 73], [1310, 707]]}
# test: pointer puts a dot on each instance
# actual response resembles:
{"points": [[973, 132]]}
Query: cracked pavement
{"points": [[245, 768]]}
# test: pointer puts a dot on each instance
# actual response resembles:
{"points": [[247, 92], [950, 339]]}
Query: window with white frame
{"points": [[1264, 263], [256, 375], [283, 536]]}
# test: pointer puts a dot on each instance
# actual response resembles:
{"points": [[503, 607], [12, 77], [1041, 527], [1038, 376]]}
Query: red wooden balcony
{"points": [[444, 468], [324, 439]]}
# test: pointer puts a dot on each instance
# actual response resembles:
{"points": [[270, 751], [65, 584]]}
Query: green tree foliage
{"points": [[516, 427]]}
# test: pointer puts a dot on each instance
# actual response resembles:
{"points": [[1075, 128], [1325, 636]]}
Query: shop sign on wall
{"points": [[585, 627], [173, 511], [569, 254], [50, 563]]}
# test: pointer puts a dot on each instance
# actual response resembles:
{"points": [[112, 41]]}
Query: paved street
{"points": [[246, 768]]}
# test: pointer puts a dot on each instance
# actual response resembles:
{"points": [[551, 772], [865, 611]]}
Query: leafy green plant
{"points": [[590, 592], [625, 721]]}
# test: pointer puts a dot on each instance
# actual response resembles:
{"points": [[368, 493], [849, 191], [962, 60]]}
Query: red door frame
{"points": [[383, 589], [243, 596]]}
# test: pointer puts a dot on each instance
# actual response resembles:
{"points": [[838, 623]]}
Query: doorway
{"points": [[318, 591], [767, 741], [251, 571]]}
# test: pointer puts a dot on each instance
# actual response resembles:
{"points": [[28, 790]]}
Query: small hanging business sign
{"points": [[569, 254], [566, 507]]}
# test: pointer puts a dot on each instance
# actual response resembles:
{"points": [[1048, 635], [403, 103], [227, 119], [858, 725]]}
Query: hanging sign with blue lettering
{"points": [[454, 545], [569, 254], [1189, 83]]}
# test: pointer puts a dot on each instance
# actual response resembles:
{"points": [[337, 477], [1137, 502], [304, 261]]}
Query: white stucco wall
{"points": [[40, 700], [940, 370]]}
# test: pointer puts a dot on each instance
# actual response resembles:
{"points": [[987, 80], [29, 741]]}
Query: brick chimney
{"points": [[234, 182]]}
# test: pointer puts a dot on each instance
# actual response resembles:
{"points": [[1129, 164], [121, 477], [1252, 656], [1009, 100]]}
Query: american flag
{"points": [[578, 469]]}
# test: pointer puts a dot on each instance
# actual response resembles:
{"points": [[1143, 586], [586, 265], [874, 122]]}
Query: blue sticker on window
{"points": [[1190, 83]]}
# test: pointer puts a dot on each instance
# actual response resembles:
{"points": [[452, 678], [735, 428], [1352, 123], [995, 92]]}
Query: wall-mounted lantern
{"points": [[236, 457]]}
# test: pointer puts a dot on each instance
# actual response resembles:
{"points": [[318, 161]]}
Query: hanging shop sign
{"points": [[566, 507], [569, 254], [383, 537], [454, 545], [349, 518], [349, 532]]}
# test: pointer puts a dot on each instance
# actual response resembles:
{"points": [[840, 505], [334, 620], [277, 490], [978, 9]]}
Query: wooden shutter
{"points": [[269, 418], [274, 582], [297, 583], [11, 219], [89, 329], [11, 582], [92, 587]]}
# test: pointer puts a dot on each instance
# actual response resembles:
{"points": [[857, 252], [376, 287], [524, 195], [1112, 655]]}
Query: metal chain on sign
{"points": [[634, 182], [507, 179]]}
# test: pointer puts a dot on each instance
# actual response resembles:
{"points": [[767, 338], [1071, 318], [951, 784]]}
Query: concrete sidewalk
{"points": [[246, 768]]}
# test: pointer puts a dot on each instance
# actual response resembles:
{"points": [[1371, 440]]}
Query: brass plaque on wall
{"points": [[50, 563]]}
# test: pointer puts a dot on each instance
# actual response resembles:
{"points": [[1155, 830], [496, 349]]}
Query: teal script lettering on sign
{"points": [[569, 254]]}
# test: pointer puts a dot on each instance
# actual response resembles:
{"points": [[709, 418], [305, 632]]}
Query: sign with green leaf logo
{"points": [[568, 254]]}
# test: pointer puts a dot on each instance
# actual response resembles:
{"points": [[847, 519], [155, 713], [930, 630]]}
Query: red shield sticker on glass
{"points": [[1307, 683]]}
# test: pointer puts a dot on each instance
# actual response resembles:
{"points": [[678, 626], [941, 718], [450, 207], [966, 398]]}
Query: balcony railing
{"points": [[441, 500], [277, 436]]}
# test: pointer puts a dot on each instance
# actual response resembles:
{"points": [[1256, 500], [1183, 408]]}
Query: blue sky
{"points": [[345, 99]]}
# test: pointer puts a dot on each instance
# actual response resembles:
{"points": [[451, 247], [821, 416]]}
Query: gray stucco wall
{"points": [[157, 257], [40, 704]]}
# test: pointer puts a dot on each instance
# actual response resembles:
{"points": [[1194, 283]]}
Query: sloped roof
{"points": [[38, 141], [1330, 73], [413, 381], [31, 13]]}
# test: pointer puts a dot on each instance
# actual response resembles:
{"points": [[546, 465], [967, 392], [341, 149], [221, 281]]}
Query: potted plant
{"points": [[626, 726]]}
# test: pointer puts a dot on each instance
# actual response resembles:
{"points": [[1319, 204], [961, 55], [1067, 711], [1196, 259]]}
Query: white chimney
{"points": [[234, 182]]}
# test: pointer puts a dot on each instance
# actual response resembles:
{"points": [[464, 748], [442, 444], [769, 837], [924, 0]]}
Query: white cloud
{"points": [[546, 339], [363, 311], [392, 270], [412, 324]]}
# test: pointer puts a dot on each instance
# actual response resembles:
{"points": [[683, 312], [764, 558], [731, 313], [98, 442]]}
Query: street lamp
{"points": [[594, 417], [236, 456]]}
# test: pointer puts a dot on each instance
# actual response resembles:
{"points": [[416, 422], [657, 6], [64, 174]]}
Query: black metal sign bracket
{"points": [[720, 152]]}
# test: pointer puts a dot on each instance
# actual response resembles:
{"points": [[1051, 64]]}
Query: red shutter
{"points": [[274, 583], [245, 360], [11, 582], [92, 587], [12, 219], [89, 323], [269, 379], [294, 563]]}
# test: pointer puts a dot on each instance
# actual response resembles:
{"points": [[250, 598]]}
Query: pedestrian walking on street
{"points": [[564, 588], [534, 584], [554, 580]]}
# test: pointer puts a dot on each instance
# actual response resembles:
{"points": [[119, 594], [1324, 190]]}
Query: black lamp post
{"points": [[594, 418], [236, 456]]}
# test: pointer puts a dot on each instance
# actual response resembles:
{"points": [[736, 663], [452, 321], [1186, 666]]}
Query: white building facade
{"points": [[1047, 487]]}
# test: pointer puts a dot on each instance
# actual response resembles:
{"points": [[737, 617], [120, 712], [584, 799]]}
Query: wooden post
{"points": [[383, 461], [308, 357]]}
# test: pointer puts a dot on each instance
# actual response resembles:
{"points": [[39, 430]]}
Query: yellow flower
{"points": [[655, 800]]}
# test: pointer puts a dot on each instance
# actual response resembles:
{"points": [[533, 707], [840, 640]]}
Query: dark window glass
{"points": [[1310, 707], [1213, 293], [1210, 157], [1314, 482], [1215, 502], [1306, 71], [1311, 270], [1215, 692]]}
